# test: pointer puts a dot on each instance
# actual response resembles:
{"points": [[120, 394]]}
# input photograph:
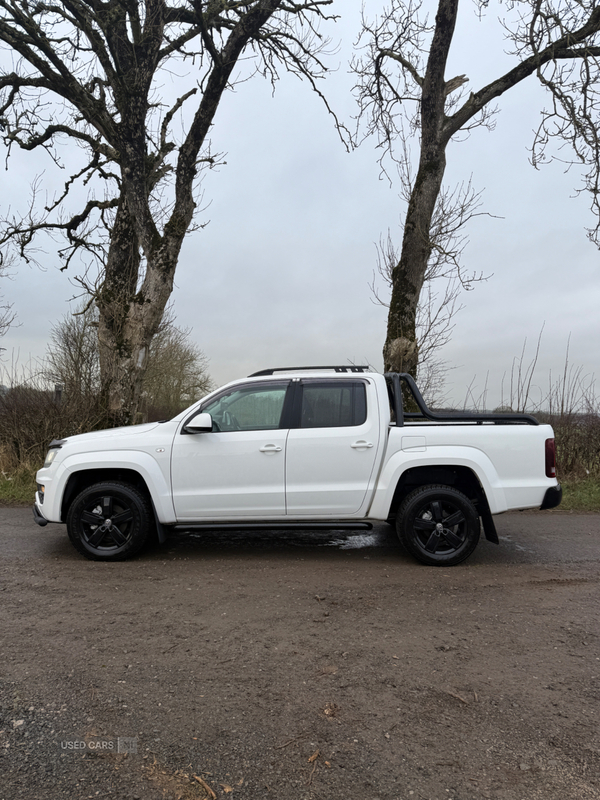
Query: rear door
{"points": [[332, 447]]}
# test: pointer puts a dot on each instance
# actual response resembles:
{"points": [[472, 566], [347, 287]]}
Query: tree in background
{"points": [[404, 95], [434, 317], [72, 359], [176, 373], [95, 73], [7, 317], [59, 396]]}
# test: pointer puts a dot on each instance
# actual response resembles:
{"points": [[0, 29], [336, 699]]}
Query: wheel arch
{"points": [[80, 480], [459, 477], [456, 476], [140, 469]]}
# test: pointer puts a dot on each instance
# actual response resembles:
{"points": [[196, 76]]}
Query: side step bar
{"points": [[333, 525]]}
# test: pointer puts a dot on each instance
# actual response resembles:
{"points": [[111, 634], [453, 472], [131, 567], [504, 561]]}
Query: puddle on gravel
{"points": [[357, 541], [342, 539], [515, 545]]}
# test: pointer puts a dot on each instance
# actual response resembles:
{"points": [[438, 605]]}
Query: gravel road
{"points": [[302, 666]]}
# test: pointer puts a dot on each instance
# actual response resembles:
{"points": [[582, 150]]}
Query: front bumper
{"points": [[41, 521], [552, 497]]}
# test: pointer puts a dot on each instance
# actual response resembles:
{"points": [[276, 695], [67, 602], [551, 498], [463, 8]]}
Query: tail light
{"points": [[550, 458]]}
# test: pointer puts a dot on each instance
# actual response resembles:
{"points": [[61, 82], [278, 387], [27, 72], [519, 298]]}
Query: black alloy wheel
{"points": [[109, 521], [438, 525]]}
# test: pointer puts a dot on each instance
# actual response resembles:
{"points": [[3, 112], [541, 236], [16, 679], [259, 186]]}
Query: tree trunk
{"points": [[130, 313], [128, 319], [401, 351]]}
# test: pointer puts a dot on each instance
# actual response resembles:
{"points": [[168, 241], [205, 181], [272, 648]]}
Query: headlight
{"points": [[50, 456]]}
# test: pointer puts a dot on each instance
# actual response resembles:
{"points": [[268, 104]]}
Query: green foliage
{"points": [[581, 495], [18, 486]]}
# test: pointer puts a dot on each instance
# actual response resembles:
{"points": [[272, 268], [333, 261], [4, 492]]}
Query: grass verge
{"points": [[18, 486], [580, 495]]}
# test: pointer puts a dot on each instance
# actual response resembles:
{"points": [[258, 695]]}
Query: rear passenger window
{"points": [[333, 405]]}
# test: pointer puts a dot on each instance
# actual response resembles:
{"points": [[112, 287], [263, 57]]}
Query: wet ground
{"points": [[302, 665]]}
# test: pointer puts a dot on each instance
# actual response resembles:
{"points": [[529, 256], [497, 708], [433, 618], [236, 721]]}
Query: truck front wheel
{"points": [[438, 525], [109, 521]]}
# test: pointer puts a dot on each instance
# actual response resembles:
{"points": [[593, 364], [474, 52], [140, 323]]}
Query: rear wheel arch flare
{"points": [[456, 476]]}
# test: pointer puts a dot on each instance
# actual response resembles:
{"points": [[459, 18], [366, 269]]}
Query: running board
{"points": [[333, 525]]}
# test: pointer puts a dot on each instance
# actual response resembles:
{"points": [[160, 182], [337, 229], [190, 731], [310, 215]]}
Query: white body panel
{"points": [[154, 473], [238, 473], [508, 460], [329, 470], [226, 476]]}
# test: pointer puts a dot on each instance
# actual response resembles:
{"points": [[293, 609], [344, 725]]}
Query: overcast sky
{"points": [[280, 275]]}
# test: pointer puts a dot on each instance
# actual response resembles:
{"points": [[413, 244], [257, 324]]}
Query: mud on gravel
{"points": [[302, 666]]}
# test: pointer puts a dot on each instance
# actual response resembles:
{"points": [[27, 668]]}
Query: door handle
{"points": [[361, 445], [270, 448]]}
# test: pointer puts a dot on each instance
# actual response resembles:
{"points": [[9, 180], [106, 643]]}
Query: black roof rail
{"points": [[344, 368]]}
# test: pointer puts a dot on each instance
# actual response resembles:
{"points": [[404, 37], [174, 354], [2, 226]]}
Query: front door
{"points": [[238, 469]]}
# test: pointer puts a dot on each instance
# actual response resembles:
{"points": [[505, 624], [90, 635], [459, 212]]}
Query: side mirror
{"points": [[201, 423]]}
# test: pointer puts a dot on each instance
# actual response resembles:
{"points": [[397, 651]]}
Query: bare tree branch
{"points": [[403, 94], [7, 315], [92, 72]]}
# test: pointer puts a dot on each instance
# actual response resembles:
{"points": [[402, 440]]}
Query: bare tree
{"points": [[176, 373], [438, 301], [92, 73], [72, 355], [403, 94], [7, 316]]}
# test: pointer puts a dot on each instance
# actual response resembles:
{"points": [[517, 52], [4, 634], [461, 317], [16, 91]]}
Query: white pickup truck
{"points": [[305, 447]]}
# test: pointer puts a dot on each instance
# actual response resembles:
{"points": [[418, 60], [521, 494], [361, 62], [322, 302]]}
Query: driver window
{"points": [[248, 409]]}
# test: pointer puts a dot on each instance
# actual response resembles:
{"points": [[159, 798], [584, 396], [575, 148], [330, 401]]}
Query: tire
{"points": [[438, 525], [126, 510]]}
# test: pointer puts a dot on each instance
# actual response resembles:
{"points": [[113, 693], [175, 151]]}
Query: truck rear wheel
{"points": [[109, 521], [438, 525]]}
